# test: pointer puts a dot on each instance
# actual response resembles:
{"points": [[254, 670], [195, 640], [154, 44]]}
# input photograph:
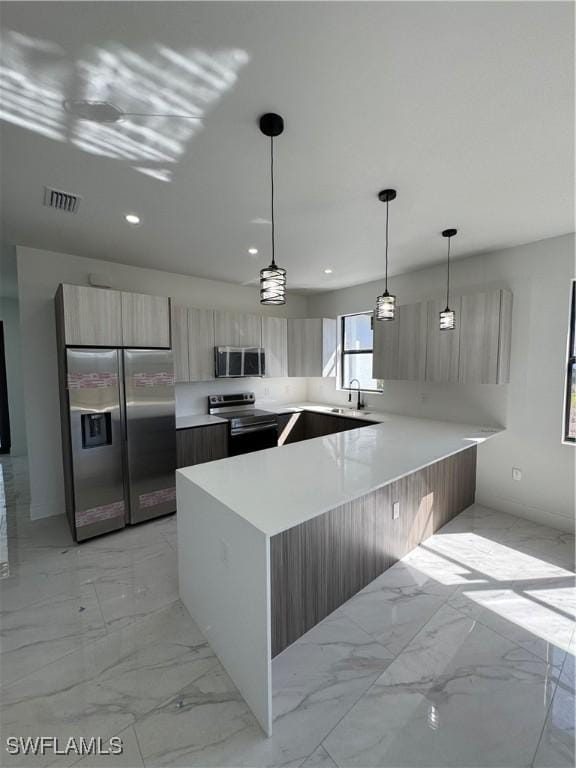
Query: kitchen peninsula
{"points": [[269, 543]]}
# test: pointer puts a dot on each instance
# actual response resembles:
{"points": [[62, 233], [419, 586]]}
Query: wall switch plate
{"points": [[516, 473], [395, 510]]}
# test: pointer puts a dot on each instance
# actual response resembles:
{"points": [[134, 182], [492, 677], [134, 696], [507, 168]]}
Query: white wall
{"points": [[192, 398], [530, 406], [39, 273]]}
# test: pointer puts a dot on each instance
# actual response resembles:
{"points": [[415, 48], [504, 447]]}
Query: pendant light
{"points": [[448, 316], [386, 303], [272, 278]]}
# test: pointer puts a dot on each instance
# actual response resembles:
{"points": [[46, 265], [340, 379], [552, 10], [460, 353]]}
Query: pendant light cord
{"points": [[448, 276], [386, 246], [272, 196]]}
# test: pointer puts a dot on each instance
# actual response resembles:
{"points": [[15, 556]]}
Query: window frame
{"points": [[570, 361], [342, 352]]}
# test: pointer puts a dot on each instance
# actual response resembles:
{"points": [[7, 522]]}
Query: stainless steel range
{"points": [[250, 429]]}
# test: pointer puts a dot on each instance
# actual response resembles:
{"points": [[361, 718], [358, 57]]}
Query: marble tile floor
{"points": [[462, 654]]}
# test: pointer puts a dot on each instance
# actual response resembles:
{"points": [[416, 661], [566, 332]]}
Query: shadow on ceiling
{"points": [[36, 77]]}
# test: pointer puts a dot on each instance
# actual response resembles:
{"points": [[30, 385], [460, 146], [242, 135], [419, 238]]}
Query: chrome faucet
{"points": [[360, 404]]}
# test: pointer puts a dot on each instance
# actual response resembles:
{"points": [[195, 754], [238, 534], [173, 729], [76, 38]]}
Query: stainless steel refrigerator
{"points": [[119, 436]]}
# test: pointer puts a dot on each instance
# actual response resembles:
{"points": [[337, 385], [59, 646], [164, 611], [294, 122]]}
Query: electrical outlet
{"points": [[516, 473], [395, 510]]}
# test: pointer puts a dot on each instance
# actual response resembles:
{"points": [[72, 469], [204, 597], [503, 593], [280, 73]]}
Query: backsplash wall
{"points": [[191, 398], [471, 404]]}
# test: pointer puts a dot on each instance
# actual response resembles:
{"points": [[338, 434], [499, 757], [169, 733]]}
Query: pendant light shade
{"points": [[448, 316], [385, 306], [273, 277], [386, 303], [447, 319], [273, 285]]}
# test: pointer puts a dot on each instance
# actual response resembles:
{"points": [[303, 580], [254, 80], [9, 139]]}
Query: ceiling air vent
{"points": [[61, 201]]}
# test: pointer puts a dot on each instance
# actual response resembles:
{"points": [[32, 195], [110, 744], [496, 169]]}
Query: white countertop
{"points": [[197, 420], [278, 488]]}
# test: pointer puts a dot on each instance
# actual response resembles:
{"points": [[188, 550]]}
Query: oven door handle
{"points": [[249, 430]]}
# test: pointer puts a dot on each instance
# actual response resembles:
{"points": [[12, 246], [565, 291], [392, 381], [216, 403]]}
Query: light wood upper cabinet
{"points": [[275, 343], [201, 344], [312, 347], [443, 347], [480, 333], [89, 316], [385, 355], [412, 326], [237, 329], [145, 320], [101, 317], [304, 347], [179, 333], [193, 343], [477, 351]]}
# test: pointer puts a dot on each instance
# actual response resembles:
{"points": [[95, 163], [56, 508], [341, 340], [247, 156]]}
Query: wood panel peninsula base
{"points": [[272, 542], [318, 565]]}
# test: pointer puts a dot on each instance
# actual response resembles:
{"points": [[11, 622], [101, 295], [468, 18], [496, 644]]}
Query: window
{"points": [[356, 344], [570, 404]]}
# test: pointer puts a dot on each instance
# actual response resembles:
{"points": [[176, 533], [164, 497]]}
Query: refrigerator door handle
{"points": [[124, 435]]}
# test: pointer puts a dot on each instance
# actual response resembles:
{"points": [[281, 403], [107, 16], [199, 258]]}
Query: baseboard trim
{"points": [[534, 514], [43, 509]]}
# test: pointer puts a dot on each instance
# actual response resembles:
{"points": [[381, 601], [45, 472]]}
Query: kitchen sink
{"points": [[350, 411]]}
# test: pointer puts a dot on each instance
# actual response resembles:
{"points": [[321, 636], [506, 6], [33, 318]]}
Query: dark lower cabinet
{"points": [[346, 423], [305, 425], [197, 445], [319, 424], [291, 427]]}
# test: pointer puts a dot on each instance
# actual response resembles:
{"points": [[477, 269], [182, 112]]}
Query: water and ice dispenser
{"points": [[96, 429]]}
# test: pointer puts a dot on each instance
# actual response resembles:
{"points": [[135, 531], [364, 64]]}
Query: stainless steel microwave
{"points": [[232, 362]]}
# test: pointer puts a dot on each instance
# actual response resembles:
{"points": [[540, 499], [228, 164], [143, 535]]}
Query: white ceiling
{"points": [[466, 108]]}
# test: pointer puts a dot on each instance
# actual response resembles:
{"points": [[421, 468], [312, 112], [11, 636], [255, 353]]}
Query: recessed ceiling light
{"points": [[252, 251], [328, 271], [131, 218]]}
